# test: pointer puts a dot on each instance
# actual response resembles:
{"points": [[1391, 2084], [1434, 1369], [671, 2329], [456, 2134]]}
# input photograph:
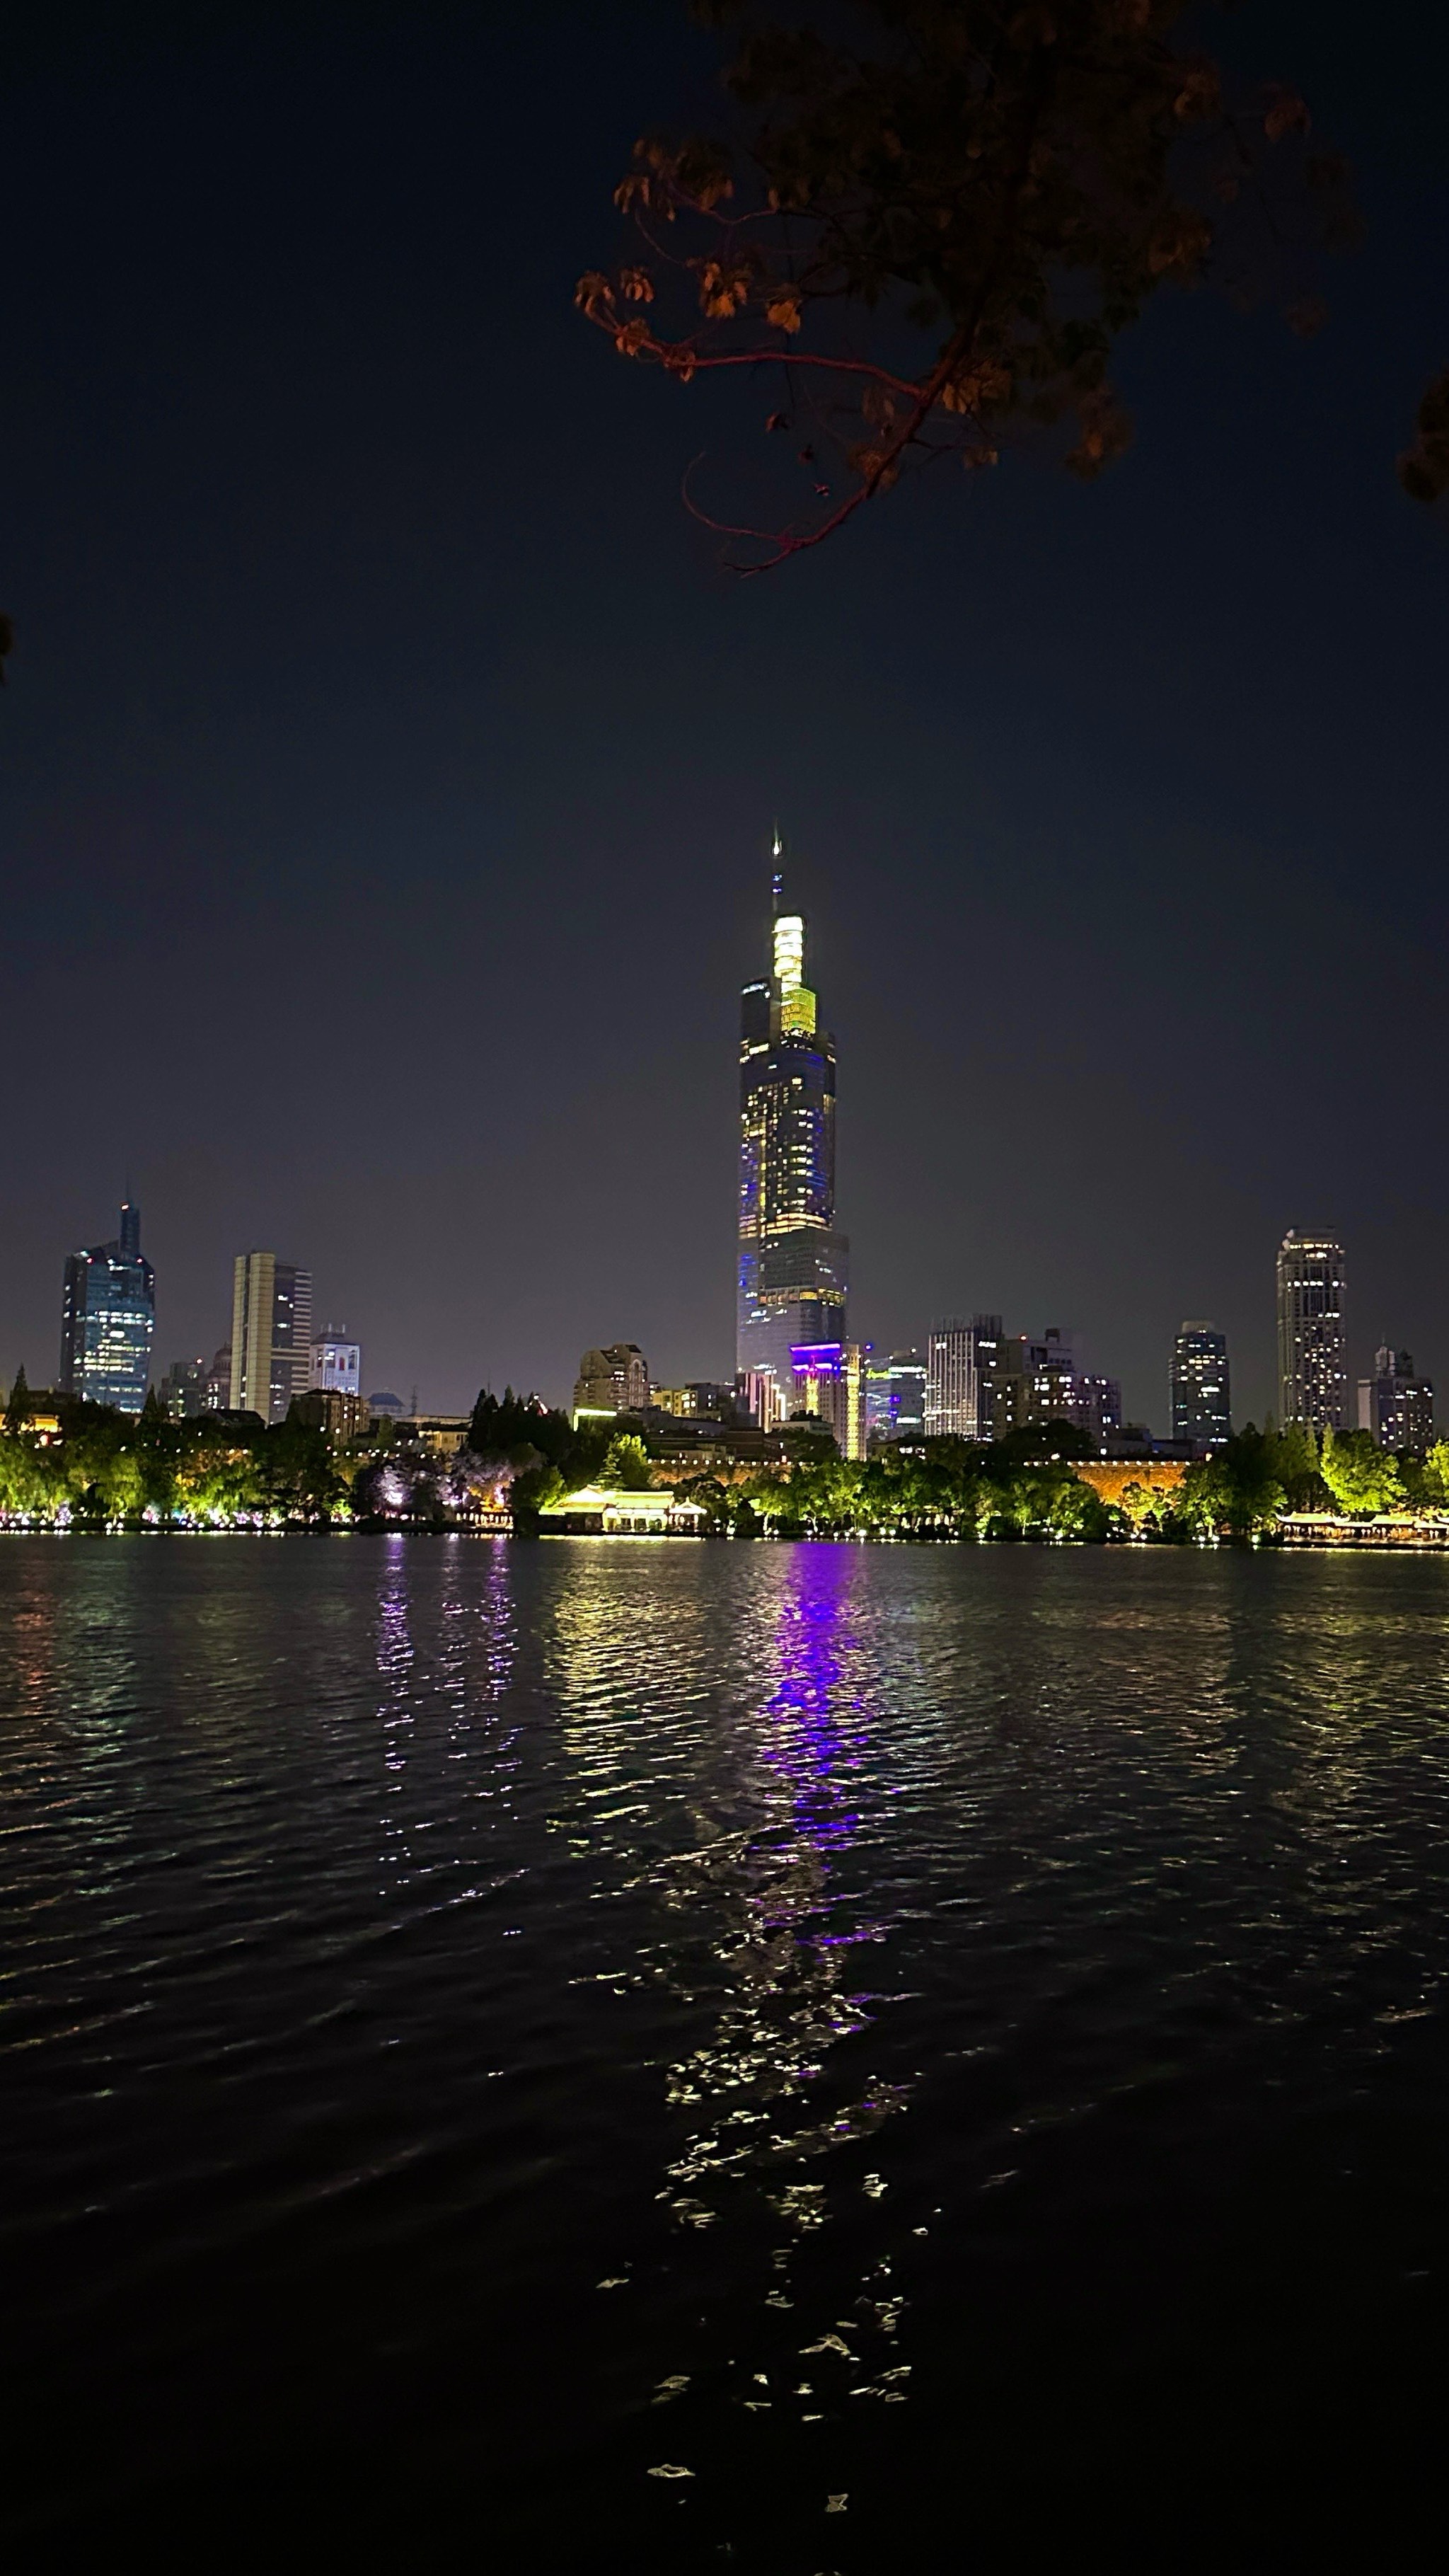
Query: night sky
{"points": [[387, 769]]}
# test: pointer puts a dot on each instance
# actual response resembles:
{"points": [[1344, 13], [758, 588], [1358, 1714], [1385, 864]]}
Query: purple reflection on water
{"points": [[806, 1743]]}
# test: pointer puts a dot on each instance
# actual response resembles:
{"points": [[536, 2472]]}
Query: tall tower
{"points": [[1312, 1356], [792, 1263], [271, 1334], [1202, 1409], [108, 1318]]}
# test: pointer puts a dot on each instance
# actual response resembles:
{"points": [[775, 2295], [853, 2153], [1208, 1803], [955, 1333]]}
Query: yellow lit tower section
{"points": [[792, 1263]]}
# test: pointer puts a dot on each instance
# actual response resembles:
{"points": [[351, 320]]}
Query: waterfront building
{"points": [[108, 1320], [895, 1397], [1395, 1405], [1201, 1392], [604, 1511], [271, 1334], [336, 1365], [611, 1380], [1312, 1362], [791, 1278], [829, 1380]]}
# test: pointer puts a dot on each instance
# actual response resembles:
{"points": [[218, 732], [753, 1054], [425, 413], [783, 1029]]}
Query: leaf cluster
{"points": [[938, 232]]}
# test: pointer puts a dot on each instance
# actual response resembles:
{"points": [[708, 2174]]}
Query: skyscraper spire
{"points": [[777, 881]]}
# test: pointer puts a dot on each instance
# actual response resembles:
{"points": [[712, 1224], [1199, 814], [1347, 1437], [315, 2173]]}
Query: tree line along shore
{"points": [[78, 1466]]}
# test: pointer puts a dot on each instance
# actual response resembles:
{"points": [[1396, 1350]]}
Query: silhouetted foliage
{"points": [[933, 237]]}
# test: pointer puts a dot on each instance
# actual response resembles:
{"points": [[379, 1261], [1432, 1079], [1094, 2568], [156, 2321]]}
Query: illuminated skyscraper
{"points": [[271, 1334], [895, 1396], [792, 1264], [951, 1383], [1201, 1398], [108, 1316], [1312, 1365]]}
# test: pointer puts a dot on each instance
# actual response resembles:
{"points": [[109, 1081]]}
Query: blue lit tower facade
{"points": [[792, 1264], [108, 1320]]}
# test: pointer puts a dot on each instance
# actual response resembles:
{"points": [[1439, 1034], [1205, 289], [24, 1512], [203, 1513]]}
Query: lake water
{"points": [[945, 2045]]}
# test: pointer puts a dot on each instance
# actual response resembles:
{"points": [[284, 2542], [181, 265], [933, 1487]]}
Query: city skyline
{"points": [[791, 1276]]}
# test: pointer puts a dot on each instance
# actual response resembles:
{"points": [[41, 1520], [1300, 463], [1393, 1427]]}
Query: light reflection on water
{"points": [[938, 1992]]}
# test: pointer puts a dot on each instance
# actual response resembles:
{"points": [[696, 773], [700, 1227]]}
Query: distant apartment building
{"points": [[336, 1365], [1312, 1345], [343, 1416], [1395, 1405], [271, 1334], [704, 1399], [1202, 1411], [108, 1320], [830, 1382], [216, 1386], [613, 1379], [1097, 1407]]}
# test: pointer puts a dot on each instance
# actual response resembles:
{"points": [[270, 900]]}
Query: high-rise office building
{"points": [[1312, 1362], [108, 1319], [271, 1334], [1395, 1405], [791, 1280], [336, 1367], [895, 1396], [1202, 1408], [951, 1380], [996, 1364]]}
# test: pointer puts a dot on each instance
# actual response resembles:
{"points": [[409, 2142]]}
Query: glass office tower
{"points": [[108, 1319], [791, 1281]]}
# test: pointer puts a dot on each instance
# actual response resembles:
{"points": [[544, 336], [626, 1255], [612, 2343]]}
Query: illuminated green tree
{"points": [[1360, 1476], [626, 1465], [1238, 1492]]}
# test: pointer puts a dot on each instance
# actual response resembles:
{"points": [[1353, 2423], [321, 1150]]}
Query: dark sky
{"points": [[387, 770]]}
